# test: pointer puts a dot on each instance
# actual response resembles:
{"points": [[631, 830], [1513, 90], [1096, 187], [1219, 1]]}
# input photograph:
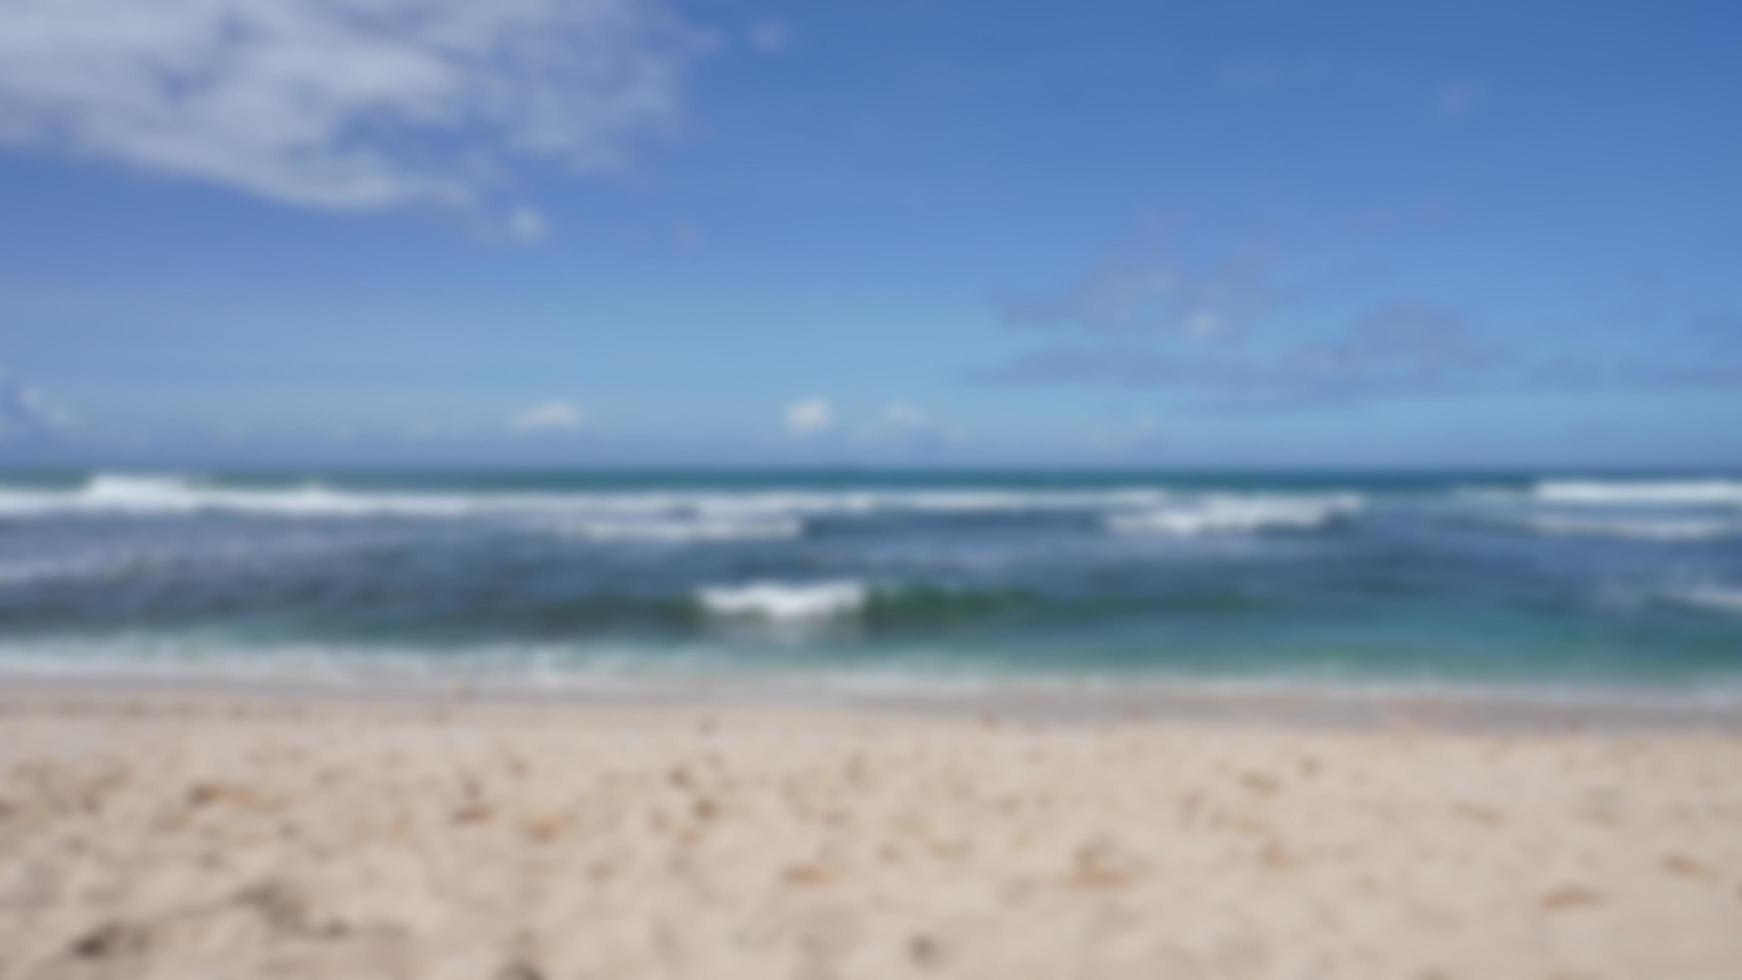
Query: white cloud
{"points": [[342, 103], [901, 415], [1130, 433], [810, 416], [686, 236], [1203, 324], [527, 225], [25, 411], [430, 430], [550, 417], [770, 36], [1461, 98], [1143, 287], [906, 423], [1271, 73]]}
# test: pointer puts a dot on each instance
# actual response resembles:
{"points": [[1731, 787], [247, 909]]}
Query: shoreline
{"points": [[1083, 701]]}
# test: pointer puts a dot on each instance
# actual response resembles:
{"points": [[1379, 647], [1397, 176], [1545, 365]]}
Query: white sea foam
{"points": [[1713, 492], [1229, 514], [118, 560], [174, 494], [199, 657], [128, 494], [1721, 598], [785, 602], [674, 516], [1641, 528], [680, 530]]}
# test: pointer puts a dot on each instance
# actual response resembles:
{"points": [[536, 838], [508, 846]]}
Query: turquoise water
{"points": [[890, 576]]}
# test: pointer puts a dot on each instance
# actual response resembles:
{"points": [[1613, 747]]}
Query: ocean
{"points": [[872, 579]]}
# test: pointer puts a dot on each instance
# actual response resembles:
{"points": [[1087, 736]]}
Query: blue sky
{"points": [[627, 231]]}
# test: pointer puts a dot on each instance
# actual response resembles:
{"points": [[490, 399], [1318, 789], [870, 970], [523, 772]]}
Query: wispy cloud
{"points": [[1273, 330], [770, 36], [1143, 429], [1390, 350], [1460, 98], [809, 417], [1143, 285], [1271, 72], [1393, 351], [526, 224], [905, 424], [1701, 352], [1718, 334], [548, 418], [26, 412], [343, 103]]}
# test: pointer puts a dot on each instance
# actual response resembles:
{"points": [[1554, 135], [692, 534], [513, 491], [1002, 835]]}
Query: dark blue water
{"points": [[1631, 582]]}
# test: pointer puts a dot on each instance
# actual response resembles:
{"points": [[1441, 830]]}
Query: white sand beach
{"points": [[209, 835]]}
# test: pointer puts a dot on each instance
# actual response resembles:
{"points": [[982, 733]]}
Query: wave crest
{"points": [[1642, 529], [1719, 598], [1236, 515], [785, 602], [145, 494], [1641, 492], [681, 531]]}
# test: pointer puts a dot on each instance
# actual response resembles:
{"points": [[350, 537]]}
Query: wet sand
{"points": [[206, 834]]}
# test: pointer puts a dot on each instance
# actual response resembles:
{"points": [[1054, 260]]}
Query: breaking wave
{"points": [[1641, 492], [674, 516], [1643, 529], [785, 602], [1226, 514], [1727, 599], [173, 494], [679, 530]]}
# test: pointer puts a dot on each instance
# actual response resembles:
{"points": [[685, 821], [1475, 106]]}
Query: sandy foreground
{"points": [[204, 836]]}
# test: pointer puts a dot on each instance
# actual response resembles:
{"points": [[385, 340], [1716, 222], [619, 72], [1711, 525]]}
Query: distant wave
{"points": [[1641, 492], [675, 516], [173, 494], [679, 530], [1227, 514], [130, 494], [1642, 528]]}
